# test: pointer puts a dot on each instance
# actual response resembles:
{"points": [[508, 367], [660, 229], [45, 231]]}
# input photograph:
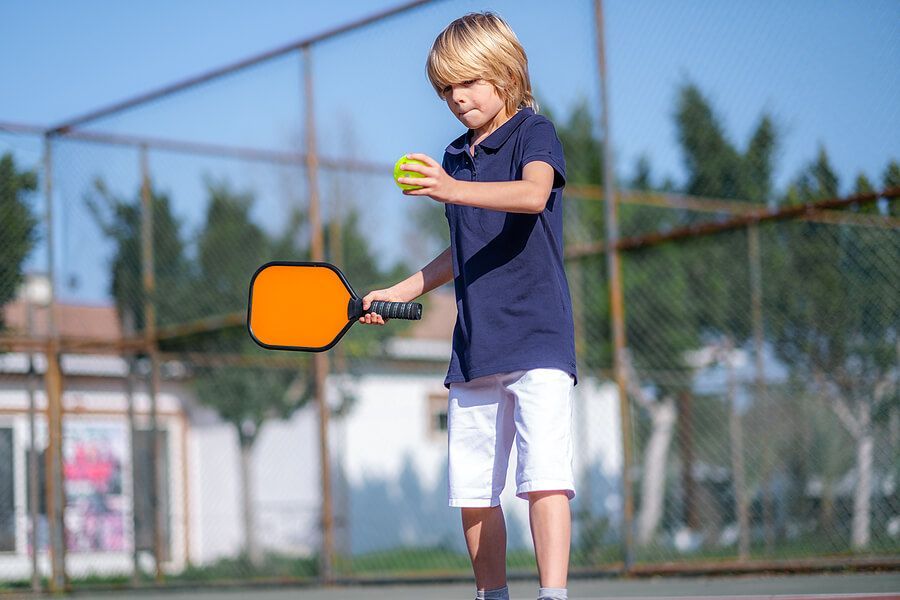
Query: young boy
{"points": [[512, 367]]}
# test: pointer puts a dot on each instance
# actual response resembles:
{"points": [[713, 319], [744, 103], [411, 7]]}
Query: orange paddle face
{"points": [[299, 306]]}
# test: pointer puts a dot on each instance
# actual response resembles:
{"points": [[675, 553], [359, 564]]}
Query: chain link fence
{"points": [[761, 313]]}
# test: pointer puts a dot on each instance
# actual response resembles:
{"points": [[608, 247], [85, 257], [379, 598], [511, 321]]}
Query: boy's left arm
{"points": [[526, 195]]}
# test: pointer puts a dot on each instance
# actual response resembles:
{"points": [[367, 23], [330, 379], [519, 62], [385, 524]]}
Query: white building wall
{"points": [[285, 488], [287, 483], [598, 447], [395, 469], [214, 493]]}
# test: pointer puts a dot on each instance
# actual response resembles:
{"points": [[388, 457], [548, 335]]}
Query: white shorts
{"points": [[533, 407]]}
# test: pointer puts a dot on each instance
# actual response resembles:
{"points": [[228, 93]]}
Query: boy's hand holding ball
{"points": [[421, 175], [400, 171]]}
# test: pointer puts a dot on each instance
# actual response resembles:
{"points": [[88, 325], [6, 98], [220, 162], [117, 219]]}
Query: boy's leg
{"points": [[551, 531], [485, 531], [480, 437], [544, 476]]}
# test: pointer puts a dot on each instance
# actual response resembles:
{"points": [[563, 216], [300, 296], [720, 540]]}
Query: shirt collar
{"points": [[496, 139]]}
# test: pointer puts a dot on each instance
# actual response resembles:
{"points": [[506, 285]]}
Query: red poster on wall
{"points": [[94, 455]]}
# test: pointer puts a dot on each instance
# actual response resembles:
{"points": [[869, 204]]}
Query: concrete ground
{"points": [[857, 586]]}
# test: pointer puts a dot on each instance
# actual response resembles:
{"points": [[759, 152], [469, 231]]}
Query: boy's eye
{"points": [[449, 88]]}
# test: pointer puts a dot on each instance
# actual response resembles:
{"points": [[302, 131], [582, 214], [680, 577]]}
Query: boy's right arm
{"points": [[435, 274]]}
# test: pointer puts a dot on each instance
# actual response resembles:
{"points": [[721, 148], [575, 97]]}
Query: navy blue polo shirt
{"points": [[514, 311]]}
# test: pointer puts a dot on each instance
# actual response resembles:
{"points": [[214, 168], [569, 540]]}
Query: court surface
{"points": [[858, 586]]}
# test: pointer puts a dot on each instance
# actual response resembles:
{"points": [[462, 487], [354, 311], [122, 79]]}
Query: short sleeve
{"points": [[540, 142]]}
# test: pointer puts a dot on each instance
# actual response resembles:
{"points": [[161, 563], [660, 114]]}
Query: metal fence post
{"points": [[149, 284], [56, 497], [756, 299], [132, 432], [317, 251], [32, 456], [615, 292]]}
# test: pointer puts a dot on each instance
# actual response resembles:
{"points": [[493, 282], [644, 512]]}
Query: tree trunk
{"points": [[826, 511], [863, 494], [653, 486], [737, 460], [768, 501], [250, 545], [894, 428], [690, 515]]}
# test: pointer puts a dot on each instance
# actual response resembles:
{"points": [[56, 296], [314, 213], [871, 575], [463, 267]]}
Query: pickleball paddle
{"points": [[309, 306]]}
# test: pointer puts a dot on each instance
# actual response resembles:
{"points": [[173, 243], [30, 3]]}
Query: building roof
{"points": [[72, 320]]}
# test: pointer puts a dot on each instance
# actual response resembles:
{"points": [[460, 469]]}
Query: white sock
{"points": [[553, 594], [497, 594]]}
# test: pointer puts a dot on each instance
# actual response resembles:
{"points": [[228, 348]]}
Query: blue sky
{"points": [[827, 71]]}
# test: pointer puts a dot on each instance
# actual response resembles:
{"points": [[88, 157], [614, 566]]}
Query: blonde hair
{"points": [[481, 46]]}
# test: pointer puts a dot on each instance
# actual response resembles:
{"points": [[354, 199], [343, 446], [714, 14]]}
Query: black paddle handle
{"points": [[389, 310]]}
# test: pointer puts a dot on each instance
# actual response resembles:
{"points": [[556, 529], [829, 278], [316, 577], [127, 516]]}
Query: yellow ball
{"points": [[399, 172]]}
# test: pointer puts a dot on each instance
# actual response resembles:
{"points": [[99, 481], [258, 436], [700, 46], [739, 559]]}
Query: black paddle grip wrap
{"points": [[411, 311]]}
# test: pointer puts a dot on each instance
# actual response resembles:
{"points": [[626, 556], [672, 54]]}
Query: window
{"points": [[7, 491], [437, 414]]}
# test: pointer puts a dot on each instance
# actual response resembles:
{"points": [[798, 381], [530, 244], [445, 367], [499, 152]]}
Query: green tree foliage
{"points": [[660, 322], [120, 222], [18, 227], [584, 220], [673, 293], [891, 179], [353, 254], [891, 175], [583, 149], [838, 299], [711, 161], [715, 167], [230, 248], [718, 267], [677, 296], [838, 293]]}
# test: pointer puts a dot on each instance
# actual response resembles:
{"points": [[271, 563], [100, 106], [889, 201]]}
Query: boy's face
{"points": [[475, 103]]}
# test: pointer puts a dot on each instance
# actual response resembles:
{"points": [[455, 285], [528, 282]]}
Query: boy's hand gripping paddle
{"points": [[309, 306]]}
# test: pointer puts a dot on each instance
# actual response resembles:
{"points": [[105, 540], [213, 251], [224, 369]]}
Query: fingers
{"points": [[424, 158], [416, 167], [372, 319], [422, 181]]}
